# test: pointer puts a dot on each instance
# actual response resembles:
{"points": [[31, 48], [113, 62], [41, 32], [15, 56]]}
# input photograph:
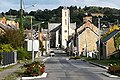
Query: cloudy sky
{"points": [[5, 5]]}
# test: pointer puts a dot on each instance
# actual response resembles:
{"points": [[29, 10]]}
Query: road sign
{"points": [[33, 44]]}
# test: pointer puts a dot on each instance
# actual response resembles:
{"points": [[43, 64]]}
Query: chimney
{"points": [[87, 18]]}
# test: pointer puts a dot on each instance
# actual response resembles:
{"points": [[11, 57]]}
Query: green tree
{"points": [[117, 41], [12, 12], [12, 37]]}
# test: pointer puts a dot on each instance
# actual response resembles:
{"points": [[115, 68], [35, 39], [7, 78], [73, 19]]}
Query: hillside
{"points": [[111, 15]]}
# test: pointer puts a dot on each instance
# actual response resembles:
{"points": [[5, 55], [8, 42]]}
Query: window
{"points": [[65, 21], [65, 31], [65, 14]]}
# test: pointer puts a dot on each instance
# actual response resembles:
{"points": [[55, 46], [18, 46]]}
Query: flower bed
{"points": [[35, 68]]}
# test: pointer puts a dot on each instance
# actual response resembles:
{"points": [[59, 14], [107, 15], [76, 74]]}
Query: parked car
{"points": [[52, 53]]}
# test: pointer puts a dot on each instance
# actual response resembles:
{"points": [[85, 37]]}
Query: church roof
{"points": [[57, 28], [51, 26]]}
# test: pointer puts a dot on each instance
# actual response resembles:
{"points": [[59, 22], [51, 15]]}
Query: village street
{"points": [[60, 68]]}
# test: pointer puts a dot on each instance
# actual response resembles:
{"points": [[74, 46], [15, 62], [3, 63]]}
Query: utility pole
{"points": [[99, 38], [31, 23], [21, 17]]}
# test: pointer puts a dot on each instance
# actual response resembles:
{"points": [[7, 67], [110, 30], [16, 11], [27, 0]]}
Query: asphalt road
{"points": [[60, 68]]}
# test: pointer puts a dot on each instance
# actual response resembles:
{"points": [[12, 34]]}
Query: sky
{"points": [[5, 5]]}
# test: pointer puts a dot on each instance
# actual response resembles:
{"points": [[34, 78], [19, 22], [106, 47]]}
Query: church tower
{"points": [[65, 26]]}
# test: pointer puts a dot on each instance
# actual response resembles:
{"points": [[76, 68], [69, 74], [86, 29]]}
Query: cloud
{"points": [[42, 2], [102, 3], [5, 5]]}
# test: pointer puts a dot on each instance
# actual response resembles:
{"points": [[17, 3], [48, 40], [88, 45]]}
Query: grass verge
{"points": [[8, 67]]}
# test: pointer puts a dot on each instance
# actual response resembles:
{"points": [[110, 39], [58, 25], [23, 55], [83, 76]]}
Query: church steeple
{"points": [[65, 25]]}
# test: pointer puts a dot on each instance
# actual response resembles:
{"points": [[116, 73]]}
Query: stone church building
{"points": [[61, 32]]}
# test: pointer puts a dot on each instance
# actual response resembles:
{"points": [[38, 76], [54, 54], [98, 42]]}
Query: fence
{"points": [[8, 58]]}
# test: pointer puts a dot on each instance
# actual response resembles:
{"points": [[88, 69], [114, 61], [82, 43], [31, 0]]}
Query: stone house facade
{"points": [[87, 36]]}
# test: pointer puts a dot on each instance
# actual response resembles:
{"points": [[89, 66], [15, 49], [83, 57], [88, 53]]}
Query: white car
{"points": [[52, 53]]}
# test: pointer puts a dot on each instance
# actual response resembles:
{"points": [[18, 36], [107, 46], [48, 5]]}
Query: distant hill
{"points": [[110, 15]]}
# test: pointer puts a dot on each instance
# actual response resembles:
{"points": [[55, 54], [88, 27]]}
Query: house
{"points": [[108, 43], [44, 38], [60, 32], [87, 36], [7, 24]]}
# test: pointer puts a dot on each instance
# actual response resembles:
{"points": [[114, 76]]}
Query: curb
{"points": [[44, 75], [8, 65], [45, 59], [105, 67], [111, 76]]}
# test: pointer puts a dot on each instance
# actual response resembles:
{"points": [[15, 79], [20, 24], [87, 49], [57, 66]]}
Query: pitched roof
{"points": [[110, 36], [57, 28], [51, 26], [4, 26], [85, 29], [88, 25], [70, 40]]}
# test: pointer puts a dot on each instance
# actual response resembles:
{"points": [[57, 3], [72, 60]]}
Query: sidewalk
{"points": [[104, 67], [7, 72]]}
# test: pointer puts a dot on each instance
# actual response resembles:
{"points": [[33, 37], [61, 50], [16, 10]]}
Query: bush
{"points": [[12, 37], [35, 68], [23, 54], [114, 69], [5, 48]]}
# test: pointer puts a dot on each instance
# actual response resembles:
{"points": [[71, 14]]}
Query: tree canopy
{"points": [[111, 15]]}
